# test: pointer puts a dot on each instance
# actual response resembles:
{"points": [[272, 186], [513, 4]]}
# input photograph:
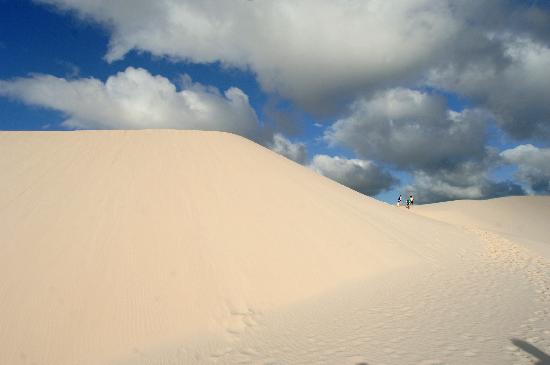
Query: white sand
{"points": [[524, 220], [165, 247]]}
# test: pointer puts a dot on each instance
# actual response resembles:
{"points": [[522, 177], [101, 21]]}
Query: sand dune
{"points": [[524, 219], [183, 247]]}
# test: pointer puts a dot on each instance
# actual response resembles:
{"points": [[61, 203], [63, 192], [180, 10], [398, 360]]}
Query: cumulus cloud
{"points": [[323, 54], [533, 166], [293, 150], [469, 180], [411, 130], [527, 19], [360, 175], [445, 151], [135, 99], [515, 88], [317, 53]]}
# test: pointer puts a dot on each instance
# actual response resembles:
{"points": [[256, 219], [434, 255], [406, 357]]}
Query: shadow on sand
{"points": [[542, 357]]}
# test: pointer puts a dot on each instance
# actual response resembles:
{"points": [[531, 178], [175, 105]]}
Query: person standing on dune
{"points": [[408, 202], [399, 200]]}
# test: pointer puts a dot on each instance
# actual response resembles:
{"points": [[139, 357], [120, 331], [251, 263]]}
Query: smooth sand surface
{"points": [[185, 247], [523, 219]]}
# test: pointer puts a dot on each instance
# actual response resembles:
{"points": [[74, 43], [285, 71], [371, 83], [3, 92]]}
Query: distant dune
{"points": [[187, 247], [524, 219]]}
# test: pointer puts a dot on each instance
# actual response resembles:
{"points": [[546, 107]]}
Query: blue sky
{"points": [[451, 111]]}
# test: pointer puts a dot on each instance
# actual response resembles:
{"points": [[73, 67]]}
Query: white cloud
{"points": [[533, 166], [361, 175], [411, 130], [294, 151], [135, 99], [324, 53], [317, 53]]}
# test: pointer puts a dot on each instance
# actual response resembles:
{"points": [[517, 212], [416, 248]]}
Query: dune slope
{"points": [[523, 219], [171, 247]]}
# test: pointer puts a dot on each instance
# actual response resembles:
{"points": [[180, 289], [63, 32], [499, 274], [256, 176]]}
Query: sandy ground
{"points": [[524, 220], [165, 247]]}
